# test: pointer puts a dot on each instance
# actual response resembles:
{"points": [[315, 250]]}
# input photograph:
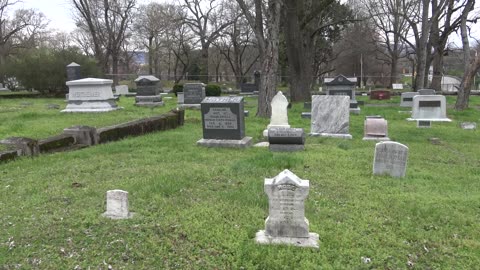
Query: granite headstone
{"points": [[375, 129], [406, 99], [330, 116], [193, 94], [286, 139], [429, 108], [90, 95]]}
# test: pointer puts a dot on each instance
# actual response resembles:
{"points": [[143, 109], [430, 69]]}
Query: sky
{"points": [[59, 12]]}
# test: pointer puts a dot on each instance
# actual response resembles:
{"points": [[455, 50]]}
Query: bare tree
{"points": [[20, 31], [391, 26], [471, 65], [237, 45], [206, 19], [267, 14], [306, 23], [107, 22]]}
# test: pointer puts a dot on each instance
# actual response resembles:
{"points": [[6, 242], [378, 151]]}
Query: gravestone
{"points": [[429, 108], [286, 139], [248, 88], [330, 116], [343, 86], [380, 95], [424, 124], [73, 72], [223, 123], [428, 92], [90, 95], [180, 98], [390, 158], [24, 146], [148, 91], [121, 90], [193, 94], [375, 129], [279, 117], [397, 86], [406, 99], [3, 89], [117, 205], [286, 222], [468, 125]]}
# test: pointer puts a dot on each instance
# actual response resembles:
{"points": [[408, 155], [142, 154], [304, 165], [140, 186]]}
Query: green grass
{"points": [[199, 208]]}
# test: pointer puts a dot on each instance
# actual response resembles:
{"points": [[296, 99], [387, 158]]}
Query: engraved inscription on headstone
{"points": [[220, 118], [429, 103], [429, 108], [193, 93], [390, 158]]}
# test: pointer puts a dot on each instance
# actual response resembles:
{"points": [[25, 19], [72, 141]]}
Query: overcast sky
{"points": [[59, 12]]}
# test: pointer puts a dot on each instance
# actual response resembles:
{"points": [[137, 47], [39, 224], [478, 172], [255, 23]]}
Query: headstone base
{"points": [[431, 120], [149, 104], [306, 115], [243, 143], [91, 106], [148, 101], [355, 110], [130, 215], [311, 241], [369, 138], [190, 106], [332, 135], [286, 147], [410, 112]]}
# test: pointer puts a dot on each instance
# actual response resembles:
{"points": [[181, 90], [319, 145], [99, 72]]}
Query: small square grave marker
{"points": [[117, 205]]}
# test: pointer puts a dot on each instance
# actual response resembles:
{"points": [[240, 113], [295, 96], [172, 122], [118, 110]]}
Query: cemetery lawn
{"points": [[199, 208]]}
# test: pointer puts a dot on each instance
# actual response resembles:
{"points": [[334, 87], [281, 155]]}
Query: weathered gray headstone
{"points": [[223, 122], [286, 222], [193, 94], [121, 89], [279, 117], [429, 108], [117, 205], [391, 159], [427, 92], [376, 129], [406, 99], [90, 95], [468, 125], [397, 86], [180, 98], [286, 139], [148, 91], [330, 116]]}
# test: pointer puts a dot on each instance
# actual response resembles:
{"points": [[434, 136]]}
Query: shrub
{"points": [[177, 88], [213, 90]]}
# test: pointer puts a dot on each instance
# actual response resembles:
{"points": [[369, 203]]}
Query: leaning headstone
{"points": [[343, 86], [390, 158], [427, 92], [193, 94], [375, 129], [121, 90], [90, 95], [406, 99], [286, 139], [73, 72], [148, 91], [117, 205], [223, 122], [468, 125], [286, 222], [429, 108], [279, 117], [330, 116]]}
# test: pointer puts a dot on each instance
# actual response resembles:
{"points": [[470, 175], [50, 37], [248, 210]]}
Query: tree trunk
{"points": [[269, 59], [151, 55], [115, 68], [204, 64], [299, 52], [437, 65], [422, 48]]}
